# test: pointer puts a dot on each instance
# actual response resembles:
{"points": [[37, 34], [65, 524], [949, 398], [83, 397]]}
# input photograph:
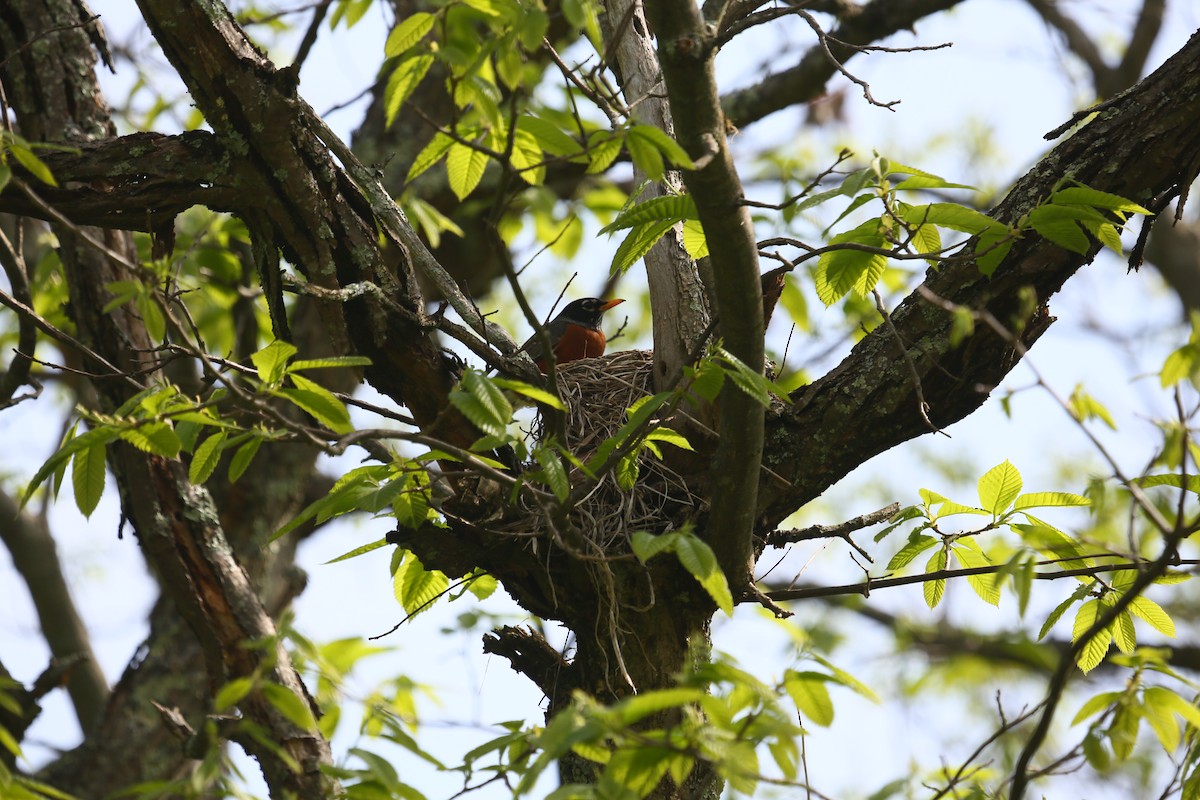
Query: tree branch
{"points": [[1145, 144], [686, 49], [807, 80]]}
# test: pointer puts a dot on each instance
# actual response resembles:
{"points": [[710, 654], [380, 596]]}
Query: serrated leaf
{"points": [[416, 587], [1170, 479], [403, 81], [290, 705], [358, 551], [29, 160], [1124, 634], [999, 487], [953, 216], [917, 544], [271, 361], [483, 585], [1153, 614], [532, 392], [553, 472], [698, 559], [1049, 500], [842, 271], [846, 679], [811, 696], [206, 458], [321, 404], [636, 244], [603, 149], [242, 458], [1061, 609], [645, 156], [1061, 229], [157, 438], [1085, 196], [1096, 648], [464, 167], [987, 586], [431, 154], [673, 208], [408, 33], [694, 240], [482, 402], [934, 590], [749, 381], [527, 158], [670, 148], [330, 362], [87, 477]]}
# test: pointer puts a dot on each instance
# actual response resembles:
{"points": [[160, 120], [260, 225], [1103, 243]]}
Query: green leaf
{"points": [[206, 458], [987, 586], [464, 166], [527, 158], [636, 244], [646, 157], [917, 543], [416, 587], [1170, 479], [87, 477], [750, 381], [408, 33], [603, 149], [1060, 226], [953, 216], [1159, 712], [157, 438], [999, 487], [698, 558], [647, 545], [1049, 500], [694, 240], [482, 402], [29, 160], [1085, 407], [673, 208], [553, 472], [1084, 196], [1124, 634], [532, 392], [432, 153], [290, 705], [1182, 364], [271, 361], [358, 551], [483, 585], [670, 437], [844, 678], [1096, 648], [403, 81], [934, 590], [320, 403], [663, 143], [811, 696], [1153, 614], [330, 362], [242, 458], [1096, 704], [232, 693], [1061, 609], [842, 271]]}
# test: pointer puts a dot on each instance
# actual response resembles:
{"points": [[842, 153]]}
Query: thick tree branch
{"points": [[686, 49], [1143, 147], [806, 81], [677, 299]]}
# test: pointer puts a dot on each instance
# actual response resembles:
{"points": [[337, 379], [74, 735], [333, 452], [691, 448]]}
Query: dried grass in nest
{"points": [[597, 392]]}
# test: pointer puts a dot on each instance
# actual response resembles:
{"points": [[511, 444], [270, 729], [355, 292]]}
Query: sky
{"points": [[1002, 74]]}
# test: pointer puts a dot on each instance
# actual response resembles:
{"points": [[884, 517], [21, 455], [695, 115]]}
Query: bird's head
{"points": [[587, 311]]}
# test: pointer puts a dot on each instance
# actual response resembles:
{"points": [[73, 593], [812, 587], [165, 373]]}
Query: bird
{"points": [[574, 334]]}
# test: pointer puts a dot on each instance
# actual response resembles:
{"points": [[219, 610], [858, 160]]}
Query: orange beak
{"points": [[612, 303]]}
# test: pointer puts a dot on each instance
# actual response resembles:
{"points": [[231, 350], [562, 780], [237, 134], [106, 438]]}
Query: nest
{"points": [[597, 393]]}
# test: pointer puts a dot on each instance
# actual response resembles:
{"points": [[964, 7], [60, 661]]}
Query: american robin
{"points": [[575, 333]]}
